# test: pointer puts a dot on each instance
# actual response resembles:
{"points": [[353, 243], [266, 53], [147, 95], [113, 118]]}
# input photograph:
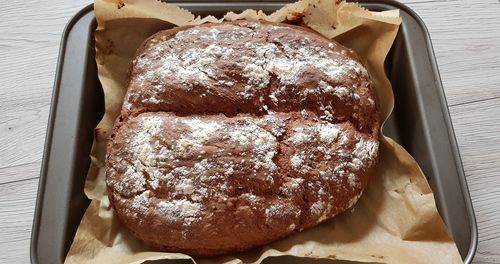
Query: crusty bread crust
{"points": [[236, 134]]}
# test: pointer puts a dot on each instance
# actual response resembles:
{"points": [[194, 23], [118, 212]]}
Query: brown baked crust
{"points": [[233, 135]]}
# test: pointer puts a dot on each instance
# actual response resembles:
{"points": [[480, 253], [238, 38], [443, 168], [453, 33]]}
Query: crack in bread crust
{"points": [[250, 128]]}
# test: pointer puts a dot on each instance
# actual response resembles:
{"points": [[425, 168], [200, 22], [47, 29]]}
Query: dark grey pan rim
{"points": [[49, 132], [388, 3], [451, 131]]}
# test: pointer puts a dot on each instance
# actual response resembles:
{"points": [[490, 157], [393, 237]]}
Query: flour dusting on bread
{"points": [[248, 128]]}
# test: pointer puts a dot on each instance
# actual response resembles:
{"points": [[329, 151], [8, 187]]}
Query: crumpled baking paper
{"points": [[395, 221]]}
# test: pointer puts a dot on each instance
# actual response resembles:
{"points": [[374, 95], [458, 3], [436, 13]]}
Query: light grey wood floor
{"points": [[466, 39]]}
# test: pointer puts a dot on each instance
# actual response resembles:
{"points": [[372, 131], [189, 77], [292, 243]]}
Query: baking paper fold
{"points": [[395, 221]]}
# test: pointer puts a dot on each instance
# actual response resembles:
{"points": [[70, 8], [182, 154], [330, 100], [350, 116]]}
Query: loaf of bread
{"points": [[236, 134]]}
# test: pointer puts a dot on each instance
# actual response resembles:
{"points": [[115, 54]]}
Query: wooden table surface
{"points": [[466, 39]]}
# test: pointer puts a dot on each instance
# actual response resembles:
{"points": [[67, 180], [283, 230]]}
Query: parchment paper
{"points": [[395, 221]]}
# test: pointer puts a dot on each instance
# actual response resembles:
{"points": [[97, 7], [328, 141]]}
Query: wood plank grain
{"points": [[477, 127], [466, 42], [19, 172], [25, 103], [31, 33], [17, 203]]}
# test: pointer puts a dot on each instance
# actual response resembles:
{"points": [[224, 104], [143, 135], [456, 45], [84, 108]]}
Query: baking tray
{"points": [[420, 123]]}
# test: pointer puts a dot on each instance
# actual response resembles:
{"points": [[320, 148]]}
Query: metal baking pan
{"points": [[420, 123]]}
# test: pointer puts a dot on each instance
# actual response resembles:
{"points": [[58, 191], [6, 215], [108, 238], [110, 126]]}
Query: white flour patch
{"points": [[185, 186], [180, 210], [141, 202]]}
